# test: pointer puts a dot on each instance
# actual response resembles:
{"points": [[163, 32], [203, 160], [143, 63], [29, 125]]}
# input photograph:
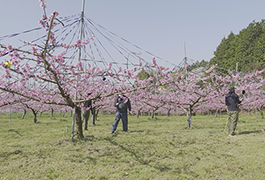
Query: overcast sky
{"points": [[158, 26]]}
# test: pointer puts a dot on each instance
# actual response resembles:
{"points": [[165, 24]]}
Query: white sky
{"points": [[158, 26]]}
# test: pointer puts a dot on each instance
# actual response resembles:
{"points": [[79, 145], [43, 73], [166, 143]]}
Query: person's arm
{"points": [[240, 100], [129, 105], [116, 103]]}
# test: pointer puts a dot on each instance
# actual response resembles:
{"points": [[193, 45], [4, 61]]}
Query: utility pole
{"points": [[79, 58], [186, 63], [185, 60]]}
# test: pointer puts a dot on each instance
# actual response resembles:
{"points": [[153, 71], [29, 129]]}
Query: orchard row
{"points": [[41, 79]]}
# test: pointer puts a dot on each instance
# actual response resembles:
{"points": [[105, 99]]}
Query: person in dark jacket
{"points": [[122, 103], [232, 101], [88, 108]]}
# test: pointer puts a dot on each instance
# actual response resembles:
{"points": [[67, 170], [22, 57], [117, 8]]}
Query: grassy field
{"points": [[161, 148]]}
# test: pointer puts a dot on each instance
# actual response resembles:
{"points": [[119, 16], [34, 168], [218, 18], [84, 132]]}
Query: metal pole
{"points": [[79, 57], [184, 49], [9, 113], [190, 117], [256, 113], [186, 63], [185, 60]]}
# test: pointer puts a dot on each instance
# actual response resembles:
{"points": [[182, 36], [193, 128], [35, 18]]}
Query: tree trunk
{"points": [[24, 114], [52, 111], [215, 116], [78, 120], [189, 112], [63, 113], [138, 113], [153, 114], [168, 112], [35, 115], [188, 119]]}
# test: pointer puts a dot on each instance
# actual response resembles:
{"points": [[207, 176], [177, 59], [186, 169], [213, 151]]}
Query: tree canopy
{"points": [[247, 49]]}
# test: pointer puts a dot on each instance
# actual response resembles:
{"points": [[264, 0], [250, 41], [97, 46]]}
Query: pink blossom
{"points": [[42, 3], [109, 67], [140, 62], [9, 47], [10, 54], [86, 42], [120, 69], [154, 61], [56, 13], [3, 52]]}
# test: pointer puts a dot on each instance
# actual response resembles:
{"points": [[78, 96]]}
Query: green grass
{"points": [[160, 148]]}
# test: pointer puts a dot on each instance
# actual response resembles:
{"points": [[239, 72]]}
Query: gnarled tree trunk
{"points": [[24, 114], [35, 115], [78, 121]]}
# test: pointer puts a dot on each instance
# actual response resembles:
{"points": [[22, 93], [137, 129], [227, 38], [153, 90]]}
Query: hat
{"points": [[231, 88]]}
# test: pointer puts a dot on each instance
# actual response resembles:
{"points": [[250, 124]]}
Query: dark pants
{"points": [[86, 117], [232, 120], [124, 117]]}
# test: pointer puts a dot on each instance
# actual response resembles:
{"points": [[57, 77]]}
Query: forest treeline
{"points": [[244, 52]]}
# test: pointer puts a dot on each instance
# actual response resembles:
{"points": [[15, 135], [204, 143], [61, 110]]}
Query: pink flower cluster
{"points": [[78, 43], [42, 3]]}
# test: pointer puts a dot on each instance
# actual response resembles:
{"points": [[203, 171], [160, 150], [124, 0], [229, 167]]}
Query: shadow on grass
{"points": [[251, 132], [7, 154], [13, 130], [87, 138], [137, 131], [137, 157]]}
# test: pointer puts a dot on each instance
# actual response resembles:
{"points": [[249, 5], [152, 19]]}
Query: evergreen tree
{"points": [[143, 75], [247, 49]]}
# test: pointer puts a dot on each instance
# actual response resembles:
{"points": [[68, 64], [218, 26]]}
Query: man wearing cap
{"points": [[231, 102], [122, 103]]}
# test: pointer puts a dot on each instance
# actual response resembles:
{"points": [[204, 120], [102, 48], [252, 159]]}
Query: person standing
{"points": [[122, 103], [232, 101], [88, 108]]}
